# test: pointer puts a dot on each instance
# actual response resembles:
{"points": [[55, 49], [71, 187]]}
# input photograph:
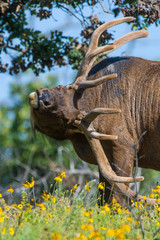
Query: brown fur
{"points": [[136, 91]]}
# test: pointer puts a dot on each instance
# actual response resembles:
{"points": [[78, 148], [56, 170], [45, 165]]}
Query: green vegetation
{"points": [[60, 215], [28, 47]]}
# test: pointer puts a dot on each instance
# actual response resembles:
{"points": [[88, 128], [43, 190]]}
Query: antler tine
{"points": [[104, 165], [118, 43], [96, 34], [101, 136], [94, 52], [127, 192], [94, 83], [97, 111], [88, 60], [125, 39], [102, 160]]}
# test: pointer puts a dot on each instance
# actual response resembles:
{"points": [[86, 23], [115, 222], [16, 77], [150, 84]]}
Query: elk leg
{"points": [[122, 164]]}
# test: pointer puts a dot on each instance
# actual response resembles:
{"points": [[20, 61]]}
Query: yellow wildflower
{"points": [[21, 224], [26, 185], [72, 191], [58, 179], [1, 210], [7, 208], [106, 208], [42, 206], [101, 186], [126, 227], [14, 205], [76, 186], [2, 218], [86, 214], [31, 183], [10, 189], [95, 234], [29, 205], [0, 195], [129, 219], [158, 208], [68, 209], [114, 200], [103, 228], [120, 233], [90, 220], [20, 206], [45, 196], [80, 237], [87, 227], [156, 190], [53, 199], [151, 195], [103, 212], [56, 236], [87, 187], [111, 232], [63, 175], [3, 230], [119, 210], [11, 231], [127, 211]]}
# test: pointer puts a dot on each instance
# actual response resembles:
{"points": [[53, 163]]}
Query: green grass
{"points": [[61, 215]]}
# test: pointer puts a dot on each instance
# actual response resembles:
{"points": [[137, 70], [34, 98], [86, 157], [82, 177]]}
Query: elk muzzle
{"points": [[33, 100], [42, 97]]}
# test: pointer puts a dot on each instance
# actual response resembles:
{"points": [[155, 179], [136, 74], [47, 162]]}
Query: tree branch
{"points": [[68, 10], [104, 8]]}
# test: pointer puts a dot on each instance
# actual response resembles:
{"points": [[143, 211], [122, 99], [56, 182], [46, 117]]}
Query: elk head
{"points": [[55, 112]]}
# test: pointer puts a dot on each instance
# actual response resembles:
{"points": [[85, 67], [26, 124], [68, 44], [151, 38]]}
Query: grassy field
{"points": [[61, 215]]}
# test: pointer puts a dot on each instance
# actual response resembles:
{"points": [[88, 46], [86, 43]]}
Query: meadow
{"points": [[60, 215]]}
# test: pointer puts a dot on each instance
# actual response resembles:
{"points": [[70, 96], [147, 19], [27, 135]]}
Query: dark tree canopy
{"points": [[30, 48]]}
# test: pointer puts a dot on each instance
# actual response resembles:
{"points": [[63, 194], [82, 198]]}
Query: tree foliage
{"points": [[30, 48]]}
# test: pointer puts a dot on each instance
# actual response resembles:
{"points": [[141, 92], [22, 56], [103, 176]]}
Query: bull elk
{"points": [[105, 112]]}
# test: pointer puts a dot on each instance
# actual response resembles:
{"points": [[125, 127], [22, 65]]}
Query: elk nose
{"points": [[33, 100], [46, 98]]}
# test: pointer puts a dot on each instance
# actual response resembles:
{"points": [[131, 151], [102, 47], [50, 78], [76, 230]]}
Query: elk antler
{"points": [[106, 169], [84, 122], [103, 163], [94, 52], [97, 111]]}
